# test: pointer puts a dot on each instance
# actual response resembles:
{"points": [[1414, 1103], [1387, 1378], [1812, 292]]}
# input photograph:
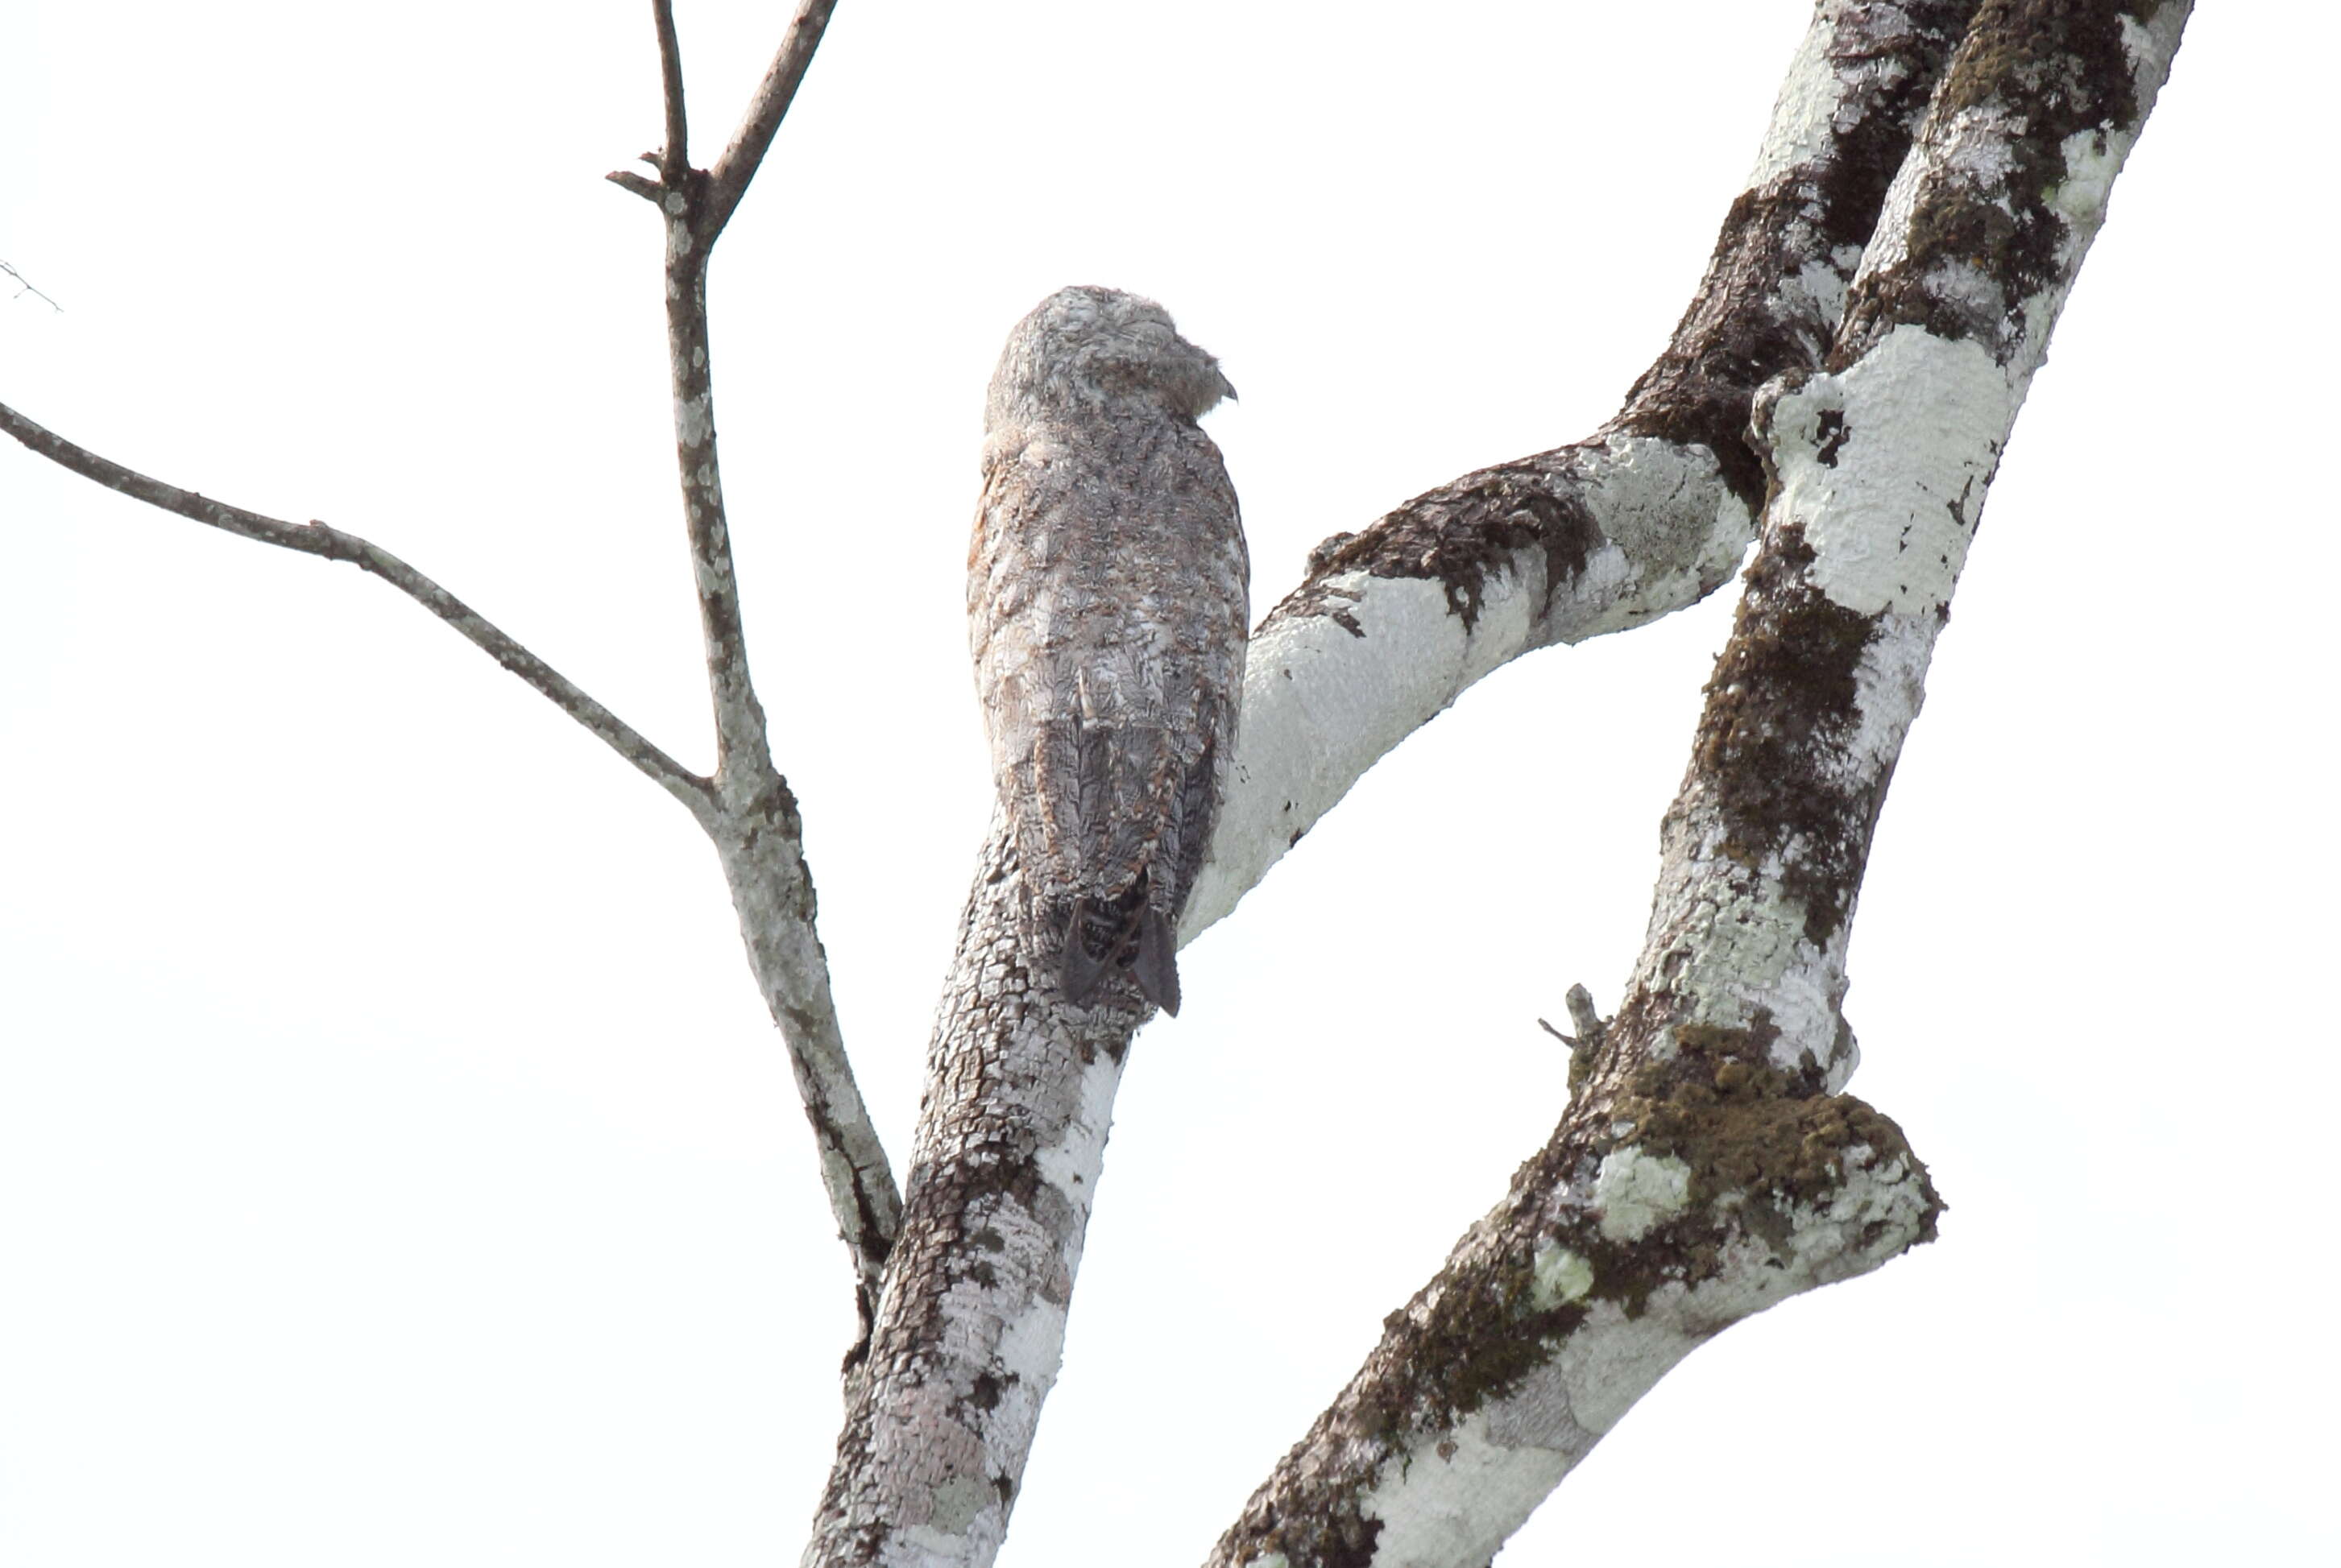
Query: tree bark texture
{"points": [[1709, 1163], [759, 836], [972, 1327], [746, 808], [758, 833], [1847, 376], [1648, 515]]}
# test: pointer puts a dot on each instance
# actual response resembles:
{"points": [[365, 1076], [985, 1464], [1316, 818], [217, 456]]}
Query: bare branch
{"points": [[317, 538], [1649, 514], [674, 158], [27, 288], [744, 756], [649, 190], [728, 180], [1712, 1165], [759, 836]]}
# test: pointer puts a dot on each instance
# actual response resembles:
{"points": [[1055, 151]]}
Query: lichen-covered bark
{"points": [[1649, 514], [1709, 1163], [758, 836], [1675, 1198], [1011, 1136], [759, 841]]}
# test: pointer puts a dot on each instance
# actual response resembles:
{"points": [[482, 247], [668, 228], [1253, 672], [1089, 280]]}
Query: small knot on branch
{"points": [[649, 190], [1592, 1033]]}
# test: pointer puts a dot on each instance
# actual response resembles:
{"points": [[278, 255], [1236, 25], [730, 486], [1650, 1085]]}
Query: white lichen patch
{"points": [[1639, 489], [1455, 1495], [1558, 1276], [956, 1502], [1073, 1164], [2092, 159], [1887, 491], [1322, 703], [1804, 116], [1328, 694], [1614, 1359], [1031, 1347], [1638, 1191], [1888, 686], [693, 423], [1457, 1499], [1821, 285], [1734, 948], [1877, 1209]]}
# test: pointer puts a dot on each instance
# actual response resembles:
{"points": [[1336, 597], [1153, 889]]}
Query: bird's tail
{"points": [[1156, 966], [1123, 934]]}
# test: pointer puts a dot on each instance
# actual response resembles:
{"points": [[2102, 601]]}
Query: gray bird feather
{"points": [[1107, 609]]}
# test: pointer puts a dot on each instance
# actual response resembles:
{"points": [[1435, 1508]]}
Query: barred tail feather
{"points": [[1122, 934]]}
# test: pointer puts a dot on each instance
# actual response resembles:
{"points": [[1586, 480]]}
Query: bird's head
{"points": [[1100, 347]]}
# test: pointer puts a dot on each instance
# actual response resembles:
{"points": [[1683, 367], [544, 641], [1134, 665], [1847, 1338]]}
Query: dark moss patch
{"points": [[2049, 69], [1830, 433], [1782, 697], [1337, 1535], [1483, 1339], [1743, 326], [1851, 188], [1742, 1124], [1460, 535]]}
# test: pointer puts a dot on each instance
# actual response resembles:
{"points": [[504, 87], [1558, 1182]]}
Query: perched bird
{"points": [[1106, 601]]}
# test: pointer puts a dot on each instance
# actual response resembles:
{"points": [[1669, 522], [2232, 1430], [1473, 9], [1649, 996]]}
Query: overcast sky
{"points": [[395, 1164]]}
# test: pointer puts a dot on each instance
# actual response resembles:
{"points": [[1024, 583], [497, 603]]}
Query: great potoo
{"points": [[1106, 603]]}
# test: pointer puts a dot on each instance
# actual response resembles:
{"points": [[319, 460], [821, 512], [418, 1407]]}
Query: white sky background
{"points": [[395, 1164]]}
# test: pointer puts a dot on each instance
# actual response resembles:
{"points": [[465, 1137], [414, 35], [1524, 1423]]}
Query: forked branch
{"points": [[317, 538], [757, 832], [745, 808], [1709, 1163], [1648, 515]]}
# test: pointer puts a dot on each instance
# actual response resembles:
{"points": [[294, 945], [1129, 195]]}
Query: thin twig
{"points": [[648, 189], [728, 179], [674, 158], [29, 289], [317, 538]]}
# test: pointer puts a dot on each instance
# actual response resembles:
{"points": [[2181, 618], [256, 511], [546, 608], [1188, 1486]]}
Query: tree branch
{"points": [[759, 836], [317, 538], [674, 157], [24, 286], [970, 1330], [727, 182], [1648, 515], [648, 189], [1711, 1166]]}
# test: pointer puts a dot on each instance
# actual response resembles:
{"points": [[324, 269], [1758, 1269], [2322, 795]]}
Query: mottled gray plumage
{"points": [[1106, 601]]}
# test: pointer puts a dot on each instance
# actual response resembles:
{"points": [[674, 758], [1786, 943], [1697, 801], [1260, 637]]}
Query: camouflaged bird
{"points": [[1107, 607]]}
